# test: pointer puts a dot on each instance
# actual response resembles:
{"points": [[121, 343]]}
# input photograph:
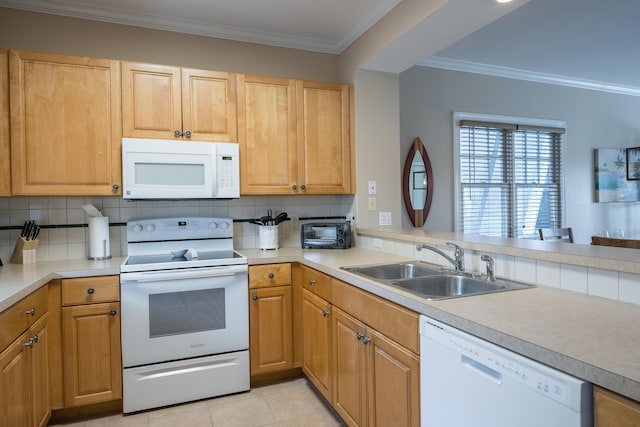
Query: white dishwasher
{"points": [[466, 381]]}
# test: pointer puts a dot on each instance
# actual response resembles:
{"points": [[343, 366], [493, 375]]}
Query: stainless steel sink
{"points": [[405, 270], [449, 286], [433, 283]]}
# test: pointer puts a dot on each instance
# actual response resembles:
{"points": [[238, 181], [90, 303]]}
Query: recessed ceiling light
{"points": [[504, 1]]}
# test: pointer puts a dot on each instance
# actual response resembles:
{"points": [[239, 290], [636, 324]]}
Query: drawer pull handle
{"points": [[113, 312], [31, 312], [90, 291], [271, 275]]}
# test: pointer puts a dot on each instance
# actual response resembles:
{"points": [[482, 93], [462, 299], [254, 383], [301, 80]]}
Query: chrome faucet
{"points": [[458, 262], [490, 272]]}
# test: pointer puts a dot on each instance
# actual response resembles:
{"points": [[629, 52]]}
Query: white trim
{"points": [[514, 73]]}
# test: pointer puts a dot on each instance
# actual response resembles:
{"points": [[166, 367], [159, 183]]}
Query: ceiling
{"points": [[583, 43]]}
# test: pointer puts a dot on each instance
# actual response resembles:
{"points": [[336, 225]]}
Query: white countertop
{"points": [[589, 337]]}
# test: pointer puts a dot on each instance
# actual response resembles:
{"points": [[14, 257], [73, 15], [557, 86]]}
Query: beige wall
{"points": [[55, 34]]}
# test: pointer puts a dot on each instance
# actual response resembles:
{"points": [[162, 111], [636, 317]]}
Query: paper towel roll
{"points": [[99, 238]]}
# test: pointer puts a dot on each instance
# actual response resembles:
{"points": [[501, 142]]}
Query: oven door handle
{"points": [[187, 273]]}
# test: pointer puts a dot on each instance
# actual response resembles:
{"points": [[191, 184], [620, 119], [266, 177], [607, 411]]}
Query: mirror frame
{"points": [[417, 216]]}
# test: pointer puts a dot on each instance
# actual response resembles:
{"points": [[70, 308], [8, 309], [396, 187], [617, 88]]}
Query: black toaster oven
{"points": [[326, 235]]}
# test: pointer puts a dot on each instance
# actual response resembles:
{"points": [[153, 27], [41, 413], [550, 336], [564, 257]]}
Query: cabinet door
{"points": [[324, 143], [271, 341], [151, 101], [393, 383], [267, 135], [5, 151], [209, 105], [65, 125], [14, 384], [349, 385], [613, 410], [92, 356], [316, 342], [41, 406]]}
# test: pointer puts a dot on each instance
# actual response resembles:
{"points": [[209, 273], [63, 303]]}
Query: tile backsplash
{"points": [[66, 236]]}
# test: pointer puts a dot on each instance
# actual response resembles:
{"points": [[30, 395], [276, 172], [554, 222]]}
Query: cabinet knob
{"points": [[35, 338], [115, 187], [188, 134], [113, 313], [325, 313], [271, 275], [177, 133], [91, 291], [31, 312], [303, 187], [366, 340], [312, 282], [29, 343], [294, 187], [254, 297], [359, 336]]}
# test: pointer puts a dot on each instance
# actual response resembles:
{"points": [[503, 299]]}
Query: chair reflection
{"points": [[616, 242], [556, 234]]}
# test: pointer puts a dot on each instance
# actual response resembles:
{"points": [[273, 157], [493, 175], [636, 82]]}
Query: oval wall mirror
{"points": [[417, 183]]}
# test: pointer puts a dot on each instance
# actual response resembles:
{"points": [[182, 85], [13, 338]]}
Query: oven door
{"points": [[177, 314]]}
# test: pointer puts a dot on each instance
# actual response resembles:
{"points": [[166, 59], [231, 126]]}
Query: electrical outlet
{"points": [[372, 203], [384, 218], [372, 186]]}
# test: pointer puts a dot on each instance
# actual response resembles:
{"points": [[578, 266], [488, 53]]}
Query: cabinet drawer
{"points": [[390, 319], [317, 282], [613, 410], [262, 276], [89, 290], [17, 318]]}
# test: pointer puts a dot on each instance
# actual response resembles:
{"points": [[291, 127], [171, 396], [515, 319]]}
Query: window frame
{"points": [[501, 119]]}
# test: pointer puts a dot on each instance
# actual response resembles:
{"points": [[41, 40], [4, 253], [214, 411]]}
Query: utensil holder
{"points": [[24, 252], [268, 237]]}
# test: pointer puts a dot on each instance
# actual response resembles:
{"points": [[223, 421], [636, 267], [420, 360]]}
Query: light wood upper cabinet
{"points": [[178, 103], [324, 138], [65, 124], [267, 135], [295, 136], [5, 150]]}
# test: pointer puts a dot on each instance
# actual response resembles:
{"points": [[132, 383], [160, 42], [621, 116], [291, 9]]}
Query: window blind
{"points": [[510, 179]]}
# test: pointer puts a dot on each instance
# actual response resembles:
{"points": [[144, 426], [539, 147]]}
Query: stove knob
{"points": [[150, 228], [213, 225], [224, 225], [137, 228]]}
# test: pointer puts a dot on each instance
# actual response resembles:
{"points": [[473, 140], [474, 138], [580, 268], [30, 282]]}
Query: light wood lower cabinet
{"points": [[376, 379], [613, 410], [24, 365], [5, 150], [92, 362], [270, 318], [316, 342]]}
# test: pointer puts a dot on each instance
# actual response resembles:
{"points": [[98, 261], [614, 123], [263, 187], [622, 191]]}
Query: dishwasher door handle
{"points": [[481, 369]]}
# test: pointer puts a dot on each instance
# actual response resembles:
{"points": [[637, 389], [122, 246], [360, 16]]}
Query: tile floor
{"points": [[292, 403]]}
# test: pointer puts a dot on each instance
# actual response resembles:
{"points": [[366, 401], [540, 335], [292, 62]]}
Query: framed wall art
{"points": [[611, 180], [633, 164]]}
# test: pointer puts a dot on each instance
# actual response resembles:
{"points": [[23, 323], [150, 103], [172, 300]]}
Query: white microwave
{"points": [[163, 169]]}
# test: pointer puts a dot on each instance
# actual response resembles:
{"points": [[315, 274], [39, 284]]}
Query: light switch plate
{"points": [[372, 203], [372, 186], [384, 218]]}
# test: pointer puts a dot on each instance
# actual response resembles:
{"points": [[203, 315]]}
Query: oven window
{"points": [[185, 312]]}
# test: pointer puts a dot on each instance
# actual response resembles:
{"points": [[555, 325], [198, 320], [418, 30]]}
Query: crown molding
{"points": [[514, 73]]}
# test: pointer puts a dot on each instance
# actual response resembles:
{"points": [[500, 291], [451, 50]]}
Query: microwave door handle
{"points": [[156, 276]]}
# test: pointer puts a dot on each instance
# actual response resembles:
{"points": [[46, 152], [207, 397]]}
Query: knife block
{"points": [[24, 252]]}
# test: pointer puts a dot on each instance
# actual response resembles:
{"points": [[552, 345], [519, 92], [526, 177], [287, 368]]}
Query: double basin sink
{"points": [[433, 283]]}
